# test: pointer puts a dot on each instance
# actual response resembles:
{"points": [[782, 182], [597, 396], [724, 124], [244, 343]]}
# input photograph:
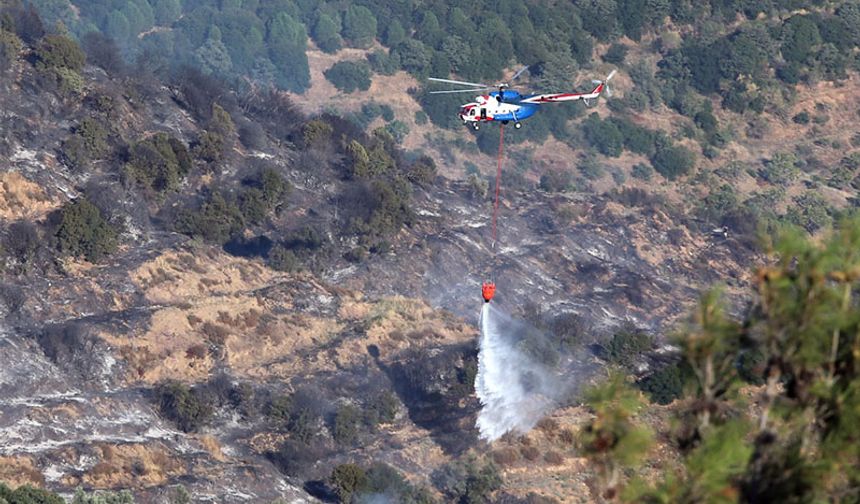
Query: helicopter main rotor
{"points": [[477, 86]]}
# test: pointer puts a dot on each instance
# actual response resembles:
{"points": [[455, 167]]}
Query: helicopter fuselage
{"points": [[489, 108]]}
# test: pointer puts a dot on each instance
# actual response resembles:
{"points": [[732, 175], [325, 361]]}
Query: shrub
{"points": [[666, 384], [348, 480], [27, 494], [102, 51], [781, 169], [672, 161], [83, 232], [316, 131], [157, 164], [615, 54], [59, 51], [506, 456], [603, 135], [384, 406], [810, 212], [530, 453], [210, 147], [554, 458], [347, 421], [642, 171], [216, 221], [252, 204], [349, 76], [282, 259], [182, 405], [10, 47], [627, 345], [422, 172], [801, 117], [556, 181]]}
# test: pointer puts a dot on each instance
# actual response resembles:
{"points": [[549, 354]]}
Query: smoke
{"points": [[377, 498], [521, 374]]}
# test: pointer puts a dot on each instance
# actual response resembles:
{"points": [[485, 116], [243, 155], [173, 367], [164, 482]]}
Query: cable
{"points": [[498, 180]]}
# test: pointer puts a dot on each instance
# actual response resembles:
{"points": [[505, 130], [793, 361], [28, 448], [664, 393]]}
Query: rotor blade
{"points": [[608, 91], [449, 81], [611, 75], [519, 72], [461, 90]]}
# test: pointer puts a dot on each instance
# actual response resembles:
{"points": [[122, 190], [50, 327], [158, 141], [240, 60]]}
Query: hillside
{"points": [[225, 292]]}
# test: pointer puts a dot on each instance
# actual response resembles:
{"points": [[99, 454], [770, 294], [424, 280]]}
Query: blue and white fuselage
{"points": [[514, 106]]}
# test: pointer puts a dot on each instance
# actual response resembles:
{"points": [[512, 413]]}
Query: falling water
{"points": [[514, 389]]}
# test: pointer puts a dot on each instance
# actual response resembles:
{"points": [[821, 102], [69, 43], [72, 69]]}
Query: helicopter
{"points": [[508, 105]]}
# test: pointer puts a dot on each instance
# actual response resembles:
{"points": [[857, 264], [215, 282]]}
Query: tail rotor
{"points": [[605, 83]]}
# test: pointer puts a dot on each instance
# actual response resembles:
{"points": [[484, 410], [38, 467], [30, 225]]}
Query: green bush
{"points": [[157, 164], [59, 51], [384, 63], [216, 221], [627, 345], [672, 161], [282, 259], [348, 480], [603, 135], [667, 383], [642, 171], [556, 181], [810, 212], [27, 494], [349, 76], [102, 497], [781, 169], [83, 232], [184, 406], [210, 147], [616, 53], [801, 117], [10, 47], [347, 422]]}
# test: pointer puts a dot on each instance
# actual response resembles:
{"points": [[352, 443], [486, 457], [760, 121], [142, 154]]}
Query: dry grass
{"points": [[20, 470], [133, 465], [22, 199]]}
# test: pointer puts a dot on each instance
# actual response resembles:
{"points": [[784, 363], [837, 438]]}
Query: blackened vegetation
{"points": [[432, 383], [71, 346]]}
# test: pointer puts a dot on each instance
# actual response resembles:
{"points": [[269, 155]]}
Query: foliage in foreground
{"points": [[800, 444]]}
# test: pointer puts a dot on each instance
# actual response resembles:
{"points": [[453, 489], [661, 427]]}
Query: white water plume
{"points": [[519, 375]]}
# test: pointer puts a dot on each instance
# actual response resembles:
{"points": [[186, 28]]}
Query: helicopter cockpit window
{"points": [[472, 112]]}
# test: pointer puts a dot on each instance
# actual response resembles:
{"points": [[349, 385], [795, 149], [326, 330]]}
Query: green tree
{"points": [[287, 40], [672, 161], [102, 497], [414, 56], [394, 34], [212, 57], [612, 440], [603, 135], [326, 34], [166, 11], [359, 26], [117, 26], [58, 51], [801, 35], [349, 76]]}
